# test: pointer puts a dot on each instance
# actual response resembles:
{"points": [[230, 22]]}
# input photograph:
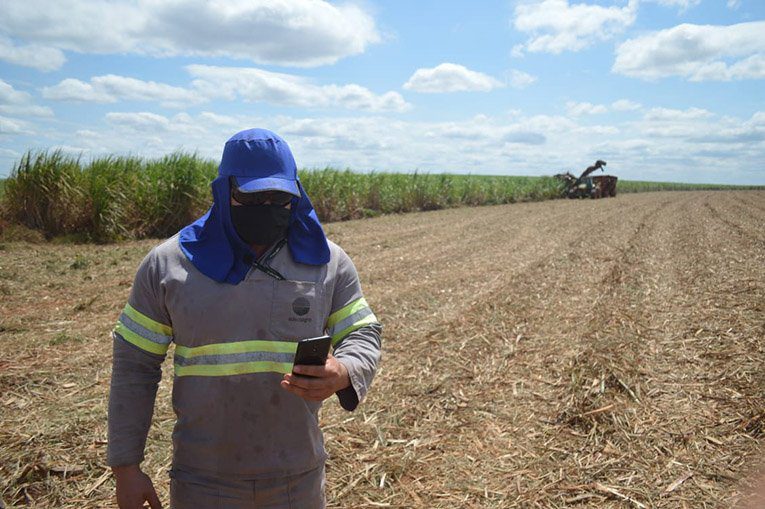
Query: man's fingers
{"points": [[309, 383], [311, 395], [154, 502], [314, 383], [307, 370], [299, 382]]}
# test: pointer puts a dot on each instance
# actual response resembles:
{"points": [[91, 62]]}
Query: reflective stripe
{"points": [[147, 322], [143, 332], [235, 358], [369, 319], [350, 321], [233, 369], [236, 347], [346, 311], [142, 343], [349, 318]]}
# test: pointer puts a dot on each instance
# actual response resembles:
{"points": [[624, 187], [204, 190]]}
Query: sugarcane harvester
{"points": [[587, 186]]}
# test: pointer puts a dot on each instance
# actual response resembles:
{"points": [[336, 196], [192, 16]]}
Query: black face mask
{"points": [[260, 224]]}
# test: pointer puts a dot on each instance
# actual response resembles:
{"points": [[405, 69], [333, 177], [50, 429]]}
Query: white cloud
{"points": [[17, 103], [734, 4], [139, 121], [36, 56], [549, 123], [676, 125], [682, 4], [284, 32], [520, 79], [696, 52], [9, 95], [7, 153], [227, 83], [603, 130], [132, 89], [448, 77], [26, 110], [758, 119], [576, 109], [667, 114], [751, 67], [154, 125], [252, 84], [220, 120], [75, 90], [357, 142], [695, 140], [112, 88], [625, 105], [483, 130], [555, 26], [13, 126], [735, 135], [71, 149], [664, 144]]}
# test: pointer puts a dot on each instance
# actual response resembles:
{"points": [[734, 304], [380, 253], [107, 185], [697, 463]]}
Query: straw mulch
{"points": [[600, 353]]}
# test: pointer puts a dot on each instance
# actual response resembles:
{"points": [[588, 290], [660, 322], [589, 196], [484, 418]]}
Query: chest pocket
{"points": [[295, 312]]}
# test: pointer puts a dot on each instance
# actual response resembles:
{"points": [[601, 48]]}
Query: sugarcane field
{"points": [[564, 353]]}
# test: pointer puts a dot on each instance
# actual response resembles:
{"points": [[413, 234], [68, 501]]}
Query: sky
{"points": [[663, 90]]}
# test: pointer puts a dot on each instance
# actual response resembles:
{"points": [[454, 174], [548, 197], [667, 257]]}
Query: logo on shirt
{"points": [[301, 306]]}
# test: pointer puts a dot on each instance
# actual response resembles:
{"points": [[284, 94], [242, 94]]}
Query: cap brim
{"points": [[254, 185]]}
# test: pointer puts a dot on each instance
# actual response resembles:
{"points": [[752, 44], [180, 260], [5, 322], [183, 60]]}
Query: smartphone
{"points": [[313, 351]]}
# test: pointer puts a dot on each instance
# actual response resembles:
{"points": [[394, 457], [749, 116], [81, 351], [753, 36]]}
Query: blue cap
{"points": [[261, 161]]}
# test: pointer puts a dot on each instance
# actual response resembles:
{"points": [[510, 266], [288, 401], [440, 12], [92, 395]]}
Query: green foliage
{"points": [[44, 192], [338, 195], [79, 263], [170, 193], [62, 338], [108, 198], [114, 197]]}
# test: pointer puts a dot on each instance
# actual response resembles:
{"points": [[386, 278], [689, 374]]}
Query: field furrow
{"points": [[595, 353]]}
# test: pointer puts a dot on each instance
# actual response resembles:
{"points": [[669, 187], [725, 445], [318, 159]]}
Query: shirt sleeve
{"points": [[140, 341], [355, 331]]}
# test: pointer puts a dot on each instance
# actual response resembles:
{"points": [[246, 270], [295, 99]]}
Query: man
{"points": [[234, 291]]}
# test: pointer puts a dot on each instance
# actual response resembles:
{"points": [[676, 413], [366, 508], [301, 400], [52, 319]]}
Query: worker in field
{"points": [[234, 291]]}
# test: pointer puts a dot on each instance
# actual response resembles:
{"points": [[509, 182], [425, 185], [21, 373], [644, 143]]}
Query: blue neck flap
{"points": [[216, 250]]}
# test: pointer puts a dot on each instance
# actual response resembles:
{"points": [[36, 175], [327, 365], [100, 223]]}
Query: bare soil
{"points": [[594, 353]]}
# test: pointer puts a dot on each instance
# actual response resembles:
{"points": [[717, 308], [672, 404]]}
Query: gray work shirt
{"points": [[233, 344]]}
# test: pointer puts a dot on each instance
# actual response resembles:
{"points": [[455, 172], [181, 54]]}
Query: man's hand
{"points": [[134, 488], [327, 380]]}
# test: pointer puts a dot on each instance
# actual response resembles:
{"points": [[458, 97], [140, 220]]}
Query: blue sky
{"points": [[667, 90]]}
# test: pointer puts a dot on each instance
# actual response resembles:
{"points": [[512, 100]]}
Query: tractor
{"points": [[586, 186]]}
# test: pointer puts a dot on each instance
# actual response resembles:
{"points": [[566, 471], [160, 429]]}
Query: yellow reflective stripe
{"points": [[147, 322], [135, 339], [346, 311], [255, 345], [239, 368], [371, 318]]}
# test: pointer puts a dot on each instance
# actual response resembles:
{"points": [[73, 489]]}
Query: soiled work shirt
{"points": [[233, 343]]}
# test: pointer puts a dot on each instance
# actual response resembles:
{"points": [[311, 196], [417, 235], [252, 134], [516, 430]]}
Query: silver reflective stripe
{"points": [[231, 358], [142, 331], [350, 321]]}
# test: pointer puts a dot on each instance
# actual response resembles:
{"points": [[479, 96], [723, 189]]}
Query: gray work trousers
{"points": [[194, 491]]}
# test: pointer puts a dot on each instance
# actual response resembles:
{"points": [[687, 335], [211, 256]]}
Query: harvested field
{"points": [[604, 353]]}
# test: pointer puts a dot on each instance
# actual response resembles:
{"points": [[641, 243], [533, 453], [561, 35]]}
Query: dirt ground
{"points": [[604, 353]]}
